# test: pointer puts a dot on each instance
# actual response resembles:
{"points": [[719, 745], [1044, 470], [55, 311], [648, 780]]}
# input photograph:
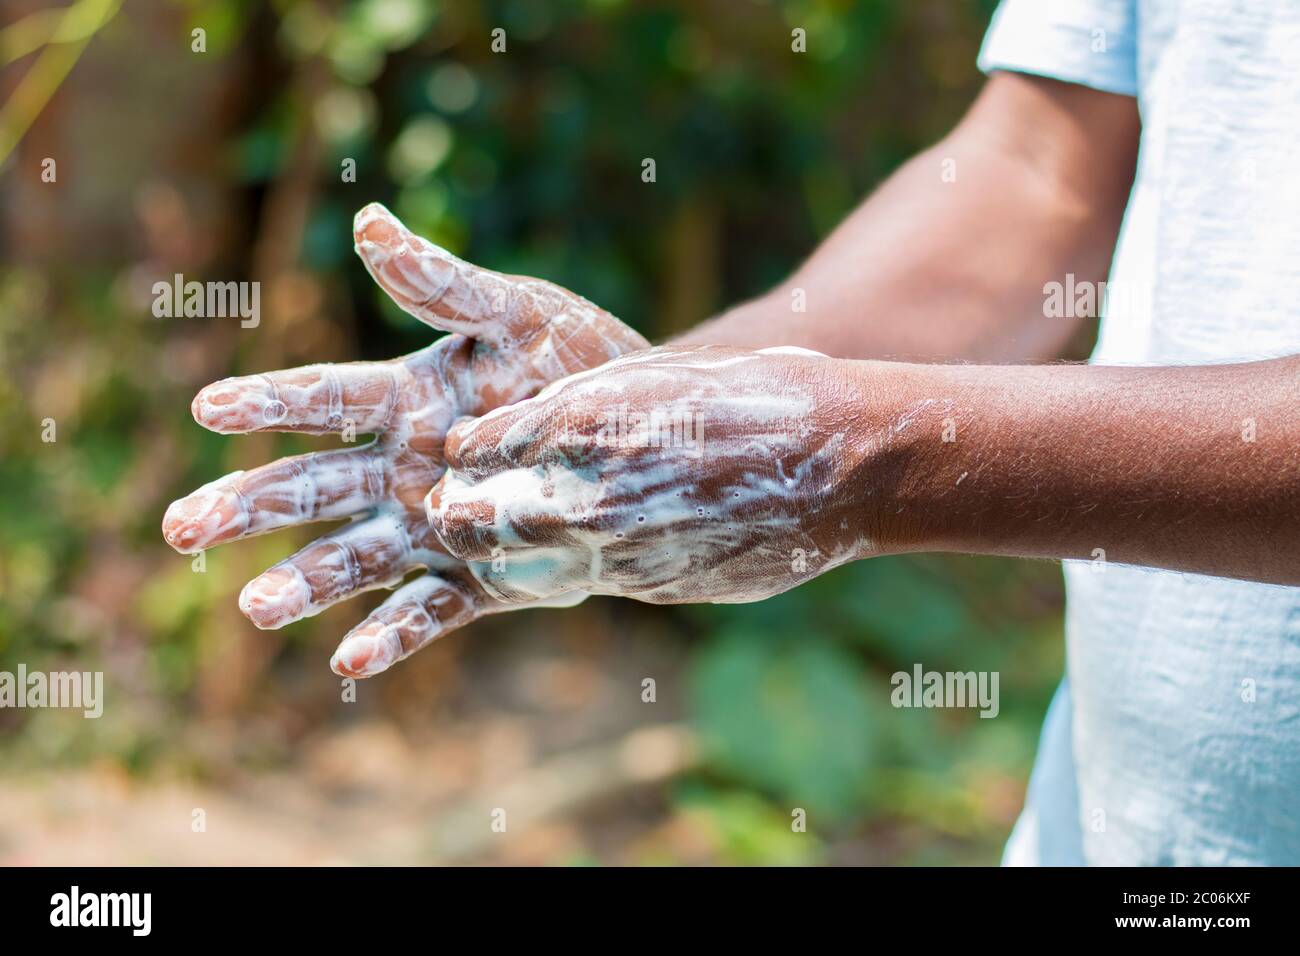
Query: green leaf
{"points": [[794, 718]]}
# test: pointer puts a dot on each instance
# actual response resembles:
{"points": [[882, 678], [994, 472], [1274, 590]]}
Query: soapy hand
{"points": [[672, 475], [510, 336]]}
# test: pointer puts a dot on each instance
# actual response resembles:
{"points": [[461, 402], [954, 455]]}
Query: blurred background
{"points": [[226, 164]]}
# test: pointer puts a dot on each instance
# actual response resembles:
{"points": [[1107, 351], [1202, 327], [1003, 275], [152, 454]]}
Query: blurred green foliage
{"points": [[527, 161]]}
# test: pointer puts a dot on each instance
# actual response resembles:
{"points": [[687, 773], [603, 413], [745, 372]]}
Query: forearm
{"points": [[948, 259], [732, 475], [1186, 468]]}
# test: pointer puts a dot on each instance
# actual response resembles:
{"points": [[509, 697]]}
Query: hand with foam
{"points": [[510, 336], [672, 475]]}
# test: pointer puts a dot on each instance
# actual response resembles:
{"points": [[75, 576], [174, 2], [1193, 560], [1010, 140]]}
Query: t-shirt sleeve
{"points": [[1090, 42]]}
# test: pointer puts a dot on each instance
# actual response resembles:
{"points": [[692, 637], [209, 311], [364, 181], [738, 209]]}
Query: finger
{"points": [[510, 511], [463, 522], [316, 399], [413, 617], [503, 438], [372, 553], [563, 423], [418, 614], [448, 293], [318, 487]]}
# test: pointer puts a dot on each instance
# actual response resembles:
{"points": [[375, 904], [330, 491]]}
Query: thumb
{"points": [[448, 293]]}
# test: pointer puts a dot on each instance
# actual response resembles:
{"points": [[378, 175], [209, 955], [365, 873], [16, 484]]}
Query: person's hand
{"points": [[511, 336], [671, 475]]}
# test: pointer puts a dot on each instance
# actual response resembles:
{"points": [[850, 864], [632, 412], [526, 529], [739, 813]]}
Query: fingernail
{"points": [[193, 523], [373, 223], [276, 598], [221, 393], [367, 653], [210, 402], [236, 405]]}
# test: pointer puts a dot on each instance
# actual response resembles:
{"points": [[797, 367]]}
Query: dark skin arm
{"points": [[933, 271], [743, 473], [1191, 469]]}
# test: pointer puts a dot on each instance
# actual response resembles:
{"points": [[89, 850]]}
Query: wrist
{"points": [[904, 445]]}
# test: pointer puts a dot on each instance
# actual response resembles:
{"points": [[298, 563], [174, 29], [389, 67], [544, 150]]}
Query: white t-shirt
{"points": [[1175, 737]]}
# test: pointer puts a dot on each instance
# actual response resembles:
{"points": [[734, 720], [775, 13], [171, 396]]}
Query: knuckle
{"points": [[460, 445], [464, 528]]}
